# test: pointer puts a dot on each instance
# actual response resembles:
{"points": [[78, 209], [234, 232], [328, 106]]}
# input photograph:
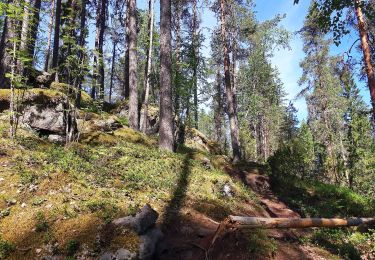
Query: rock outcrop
{"points": [[143, 223]]}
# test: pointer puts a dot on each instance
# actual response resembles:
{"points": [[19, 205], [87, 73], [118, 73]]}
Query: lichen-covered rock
{"points": [[122, 111], [43, 110], [44, 79], [197, 140], [141, 222], [45, 118]]}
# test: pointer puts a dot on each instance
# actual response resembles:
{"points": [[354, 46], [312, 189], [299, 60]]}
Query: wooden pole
{"points": [[267, 223]]}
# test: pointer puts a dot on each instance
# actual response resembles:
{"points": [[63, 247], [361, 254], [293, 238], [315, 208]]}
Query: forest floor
{"points": [[57, 201]]}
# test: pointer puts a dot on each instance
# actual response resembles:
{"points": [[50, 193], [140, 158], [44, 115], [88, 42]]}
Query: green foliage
{"points": [[296, 157], [261, 112], [6, 249], [260, 243], [336, 241], [41, 222], [310, 198], [71, 247]]}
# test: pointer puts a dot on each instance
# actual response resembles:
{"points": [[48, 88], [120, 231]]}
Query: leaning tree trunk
{"points": [[49, 37], [166, 111], [133, 88], [366, 54], [56, 40], [230, 92], [144, 123]]}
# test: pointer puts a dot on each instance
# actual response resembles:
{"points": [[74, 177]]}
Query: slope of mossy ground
{"points": [[55, 198], [315, 199]]}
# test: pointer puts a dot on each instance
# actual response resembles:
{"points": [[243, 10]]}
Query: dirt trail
{"points": [[190, 234]]}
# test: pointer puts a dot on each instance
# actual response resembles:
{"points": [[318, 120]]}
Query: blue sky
{"points": [[287, 61]]}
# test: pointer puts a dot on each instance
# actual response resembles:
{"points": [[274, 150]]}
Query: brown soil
{"points": [[192, 235]]}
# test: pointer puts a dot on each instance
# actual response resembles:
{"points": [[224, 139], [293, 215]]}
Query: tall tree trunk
{"points": [[218, 109], [98, 84], [195, 62], [178, 107], [144, 122], [56, 40], [24, 35], [366, 54], [126, 61], [112, 70], [133, 87], [230, 92], [5, 57], [49, 37], [81, 43], [166, 111], [34, 27]]}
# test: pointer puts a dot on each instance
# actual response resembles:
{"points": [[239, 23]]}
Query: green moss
{"points": [[6, 248]]}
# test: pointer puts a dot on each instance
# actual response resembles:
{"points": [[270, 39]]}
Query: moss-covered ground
{"points": [[56, 198]]}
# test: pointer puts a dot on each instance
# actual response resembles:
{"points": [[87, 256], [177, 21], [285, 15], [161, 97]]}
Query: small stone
{"points": [[23, 205], [49, 206], [227, 190], [106, 256], [38, 250], [1, 179], [11, 202], [56, 139], [123, 254], [33, 187]]}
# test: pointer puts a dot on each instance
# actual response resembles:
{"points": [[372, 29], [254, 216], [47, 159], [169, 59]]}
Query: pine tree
{"points": [[166, 113], [133, 87]]}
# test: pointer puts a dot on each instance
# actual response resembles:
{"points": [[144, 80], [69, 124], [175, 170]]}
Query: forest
{"points": [[168, 129]]}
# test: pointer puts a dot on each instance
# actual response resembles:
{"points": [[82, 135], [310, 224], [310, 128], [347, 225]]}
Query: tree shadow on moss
{"points": [[171, 211]]}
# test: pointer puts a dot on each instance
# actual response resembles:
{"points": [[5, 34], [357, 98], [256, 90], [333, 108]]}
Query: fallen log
{"points": [[267, 223]]}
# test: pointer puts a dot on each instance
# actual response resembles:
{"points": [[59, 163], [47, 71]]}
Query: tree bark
{"points": [[99, 58], [126, 89], [34, 27], [366, 54], [49, 37], [178, 107], [218, 108], [112, 70], [56, 40], [230, 92], [133, 87], [195, 62], [166, 118], [5, 57], [81, 43], [24, 35], [144, 123], [254, 222]]}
